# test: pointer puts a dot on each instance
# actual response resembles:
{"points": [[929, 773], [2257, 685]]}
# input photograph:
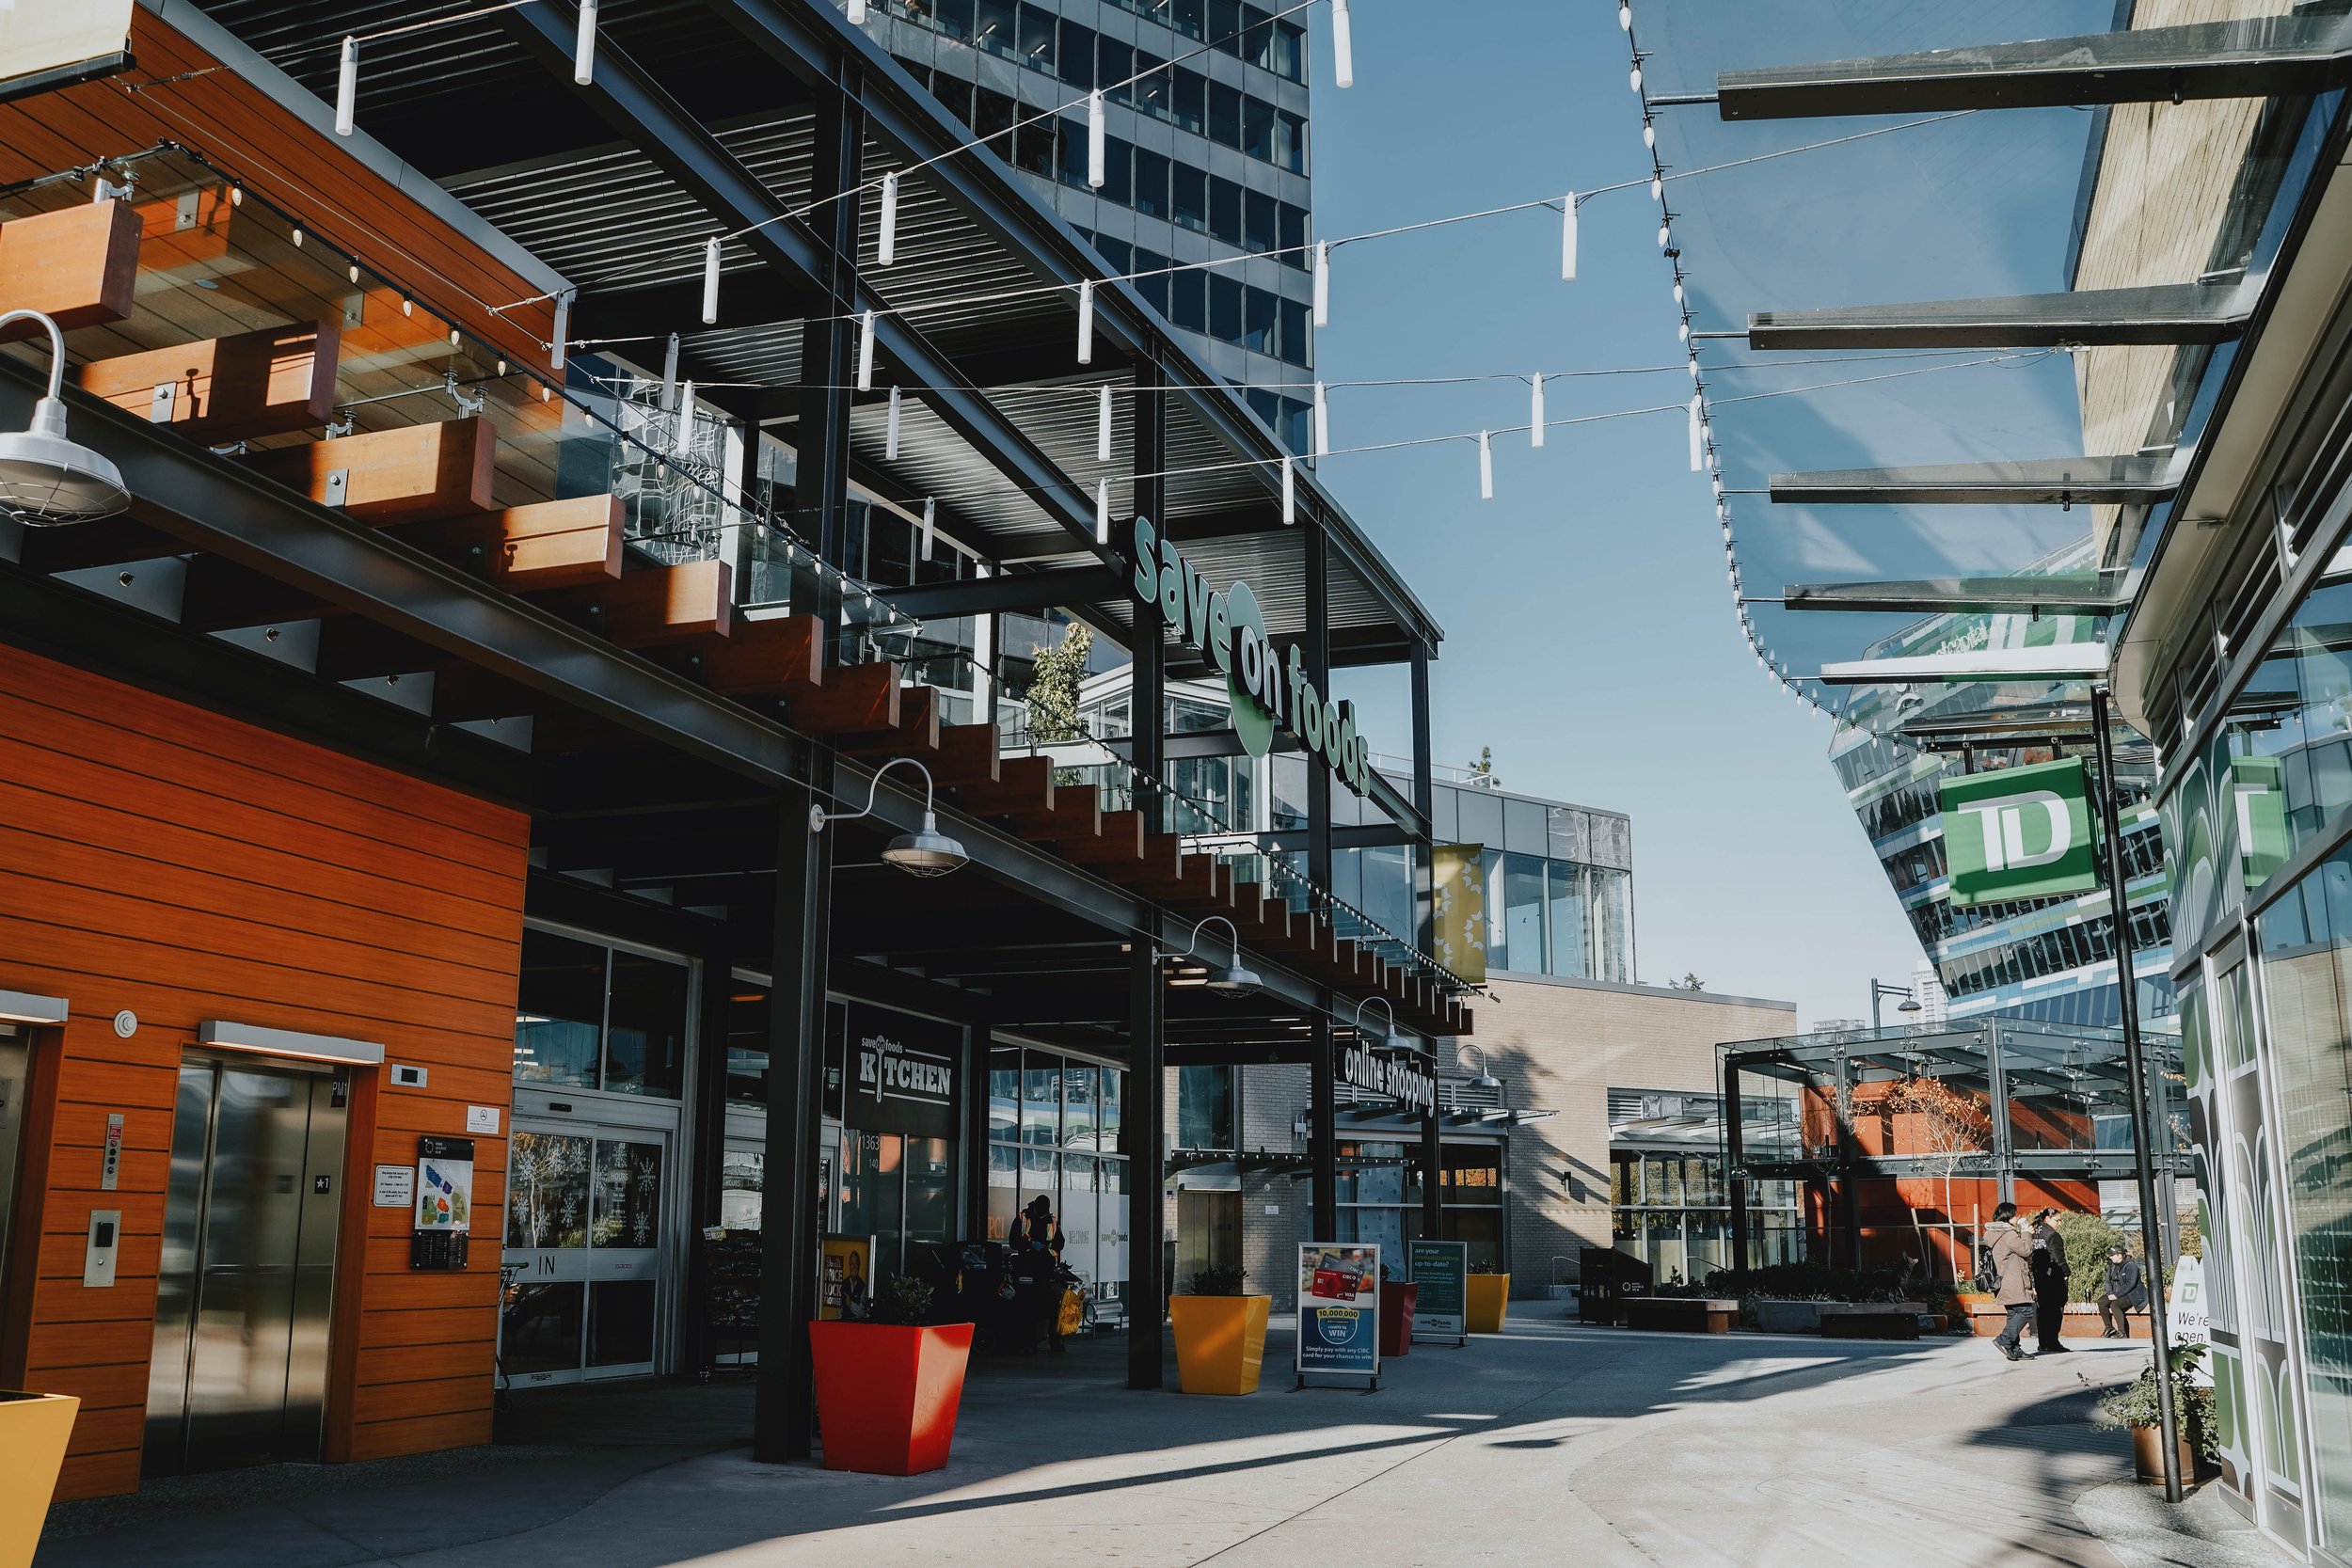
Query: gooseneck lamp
{"points": [[47, 478], [926, 852], [1230, 979], [1485, 1079], [1391, 1041]]}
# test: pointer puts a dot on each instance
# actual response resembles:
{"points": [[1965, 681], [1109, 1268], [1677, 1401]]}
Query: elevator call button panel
{"points": [[105, 1241]]}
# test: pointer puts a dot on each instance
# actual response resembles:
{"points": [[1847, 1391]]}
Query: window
{"points": [[1155, 95], [1075, 58], [1036, 37], [1053, 1130], [1295, 337], [1257, 35], [1225, 308], [1188, 17], [1187, 299], [1293, 222], [1034, 146], [588, 1016], [1117, 252], [1225, 209], [1224, 114], [1151, 183], [993, 115], [1257, 128], [1290, 141], [1259, 315], [1118, 170], [1225, 26], [995, 29], [1188, 99], [1153, 285], [1257, 226], [1188, 205], [1072, 165], [1286, 52], [957, 96], [950, 18], [1204, 1107], [1522, 913], [1114, 62]]}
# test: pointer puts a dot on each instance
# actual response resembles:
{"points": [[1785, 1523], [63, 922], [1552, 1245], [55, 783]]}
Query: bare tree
{"points": [[1948, 1127]]}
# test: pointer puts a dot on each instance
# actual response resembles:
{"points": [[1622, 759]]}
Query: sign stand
{"points": [[1442, 1304], [1339, 1313]]}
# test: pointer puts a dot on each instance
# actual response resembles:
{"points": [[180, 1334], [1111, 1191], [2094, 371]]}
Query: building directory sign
{"points": [[1338, 1311], [1266, 688], [2019, 833], [1441, 1275]]}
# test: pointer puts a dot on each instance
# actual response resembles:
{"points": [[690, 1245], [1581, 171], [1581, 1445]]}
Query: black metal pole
{"points": [[2136, 1068], [1142, 1135], [1735, 1176], [1425, 938], [1323, 1148]]}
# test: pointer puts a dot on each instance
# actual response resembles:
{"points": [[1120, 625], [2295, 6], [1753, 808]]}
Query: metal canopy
{"points": [[2054, 662], [2140, 478], [2159, 314], [2075, 594], [2260, 58]]}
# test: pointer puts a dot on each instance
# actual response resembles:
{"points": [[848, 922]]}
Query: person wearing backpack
{"points": [[2006, 1272]]}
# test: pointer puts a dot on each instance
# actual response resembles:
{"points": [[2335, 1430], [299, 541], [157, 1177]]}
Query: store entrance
{"points": [[899, 1190], [239, 1372], [582, 1264]]}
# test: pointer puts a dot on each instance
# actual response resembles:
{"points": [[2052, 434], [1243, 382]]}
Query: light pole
{"points": [[1909, 1004]]}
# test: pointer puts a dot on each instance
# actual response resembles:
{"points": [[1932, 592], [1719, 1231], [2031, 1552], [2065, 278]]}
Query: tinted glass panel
{"points": [[644, 1050], [1151, 183], [1188, 203], [1075, 61], [1224, 114], [994, 27], [1257, 222], [1225, 209], [1225, 309], [559, 1012], [1037, 38]]}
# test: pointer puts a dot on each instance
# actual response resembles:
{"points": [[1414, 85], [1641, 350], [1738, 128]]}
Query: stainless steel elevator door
{"points": [[239, 1374], [13, 1055]]}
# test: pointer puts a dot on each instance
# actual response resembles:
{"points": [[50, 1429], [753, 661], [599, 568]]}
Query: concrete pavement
{"points": [[1550, 1441]]}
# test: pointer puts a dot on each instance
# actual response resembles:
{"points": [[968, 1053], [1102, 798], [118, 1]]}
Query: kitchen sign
{"points": [[1264, 688], [900, 1071]]}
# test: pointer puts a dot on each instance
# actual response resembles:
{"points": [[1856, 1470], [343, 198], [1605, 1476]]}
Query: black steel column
{"points": [[788, 1220], [2135, 1068], [1143, 1131], [1323, 1149], [978, 1041], [1425, 938], [828, 360], [1734, 1173]]}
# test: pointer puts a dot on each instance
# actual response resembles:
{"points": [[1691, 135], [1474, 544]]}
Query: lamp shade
{"points": [[927, 852], [47, 478]]}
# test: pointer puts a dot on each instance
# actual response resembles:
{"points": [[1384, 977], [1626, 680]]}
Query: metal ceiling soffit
{"points": [[2260, 58], [2138, 479], [2084, 595], [2054, 662], [2163, 314]]}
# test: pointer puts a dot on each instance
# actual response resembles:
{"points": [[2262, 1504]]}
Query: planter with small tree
{"points": [[2135, 1406], [1220, 1333], [1489, 1298], [888, 1388]]}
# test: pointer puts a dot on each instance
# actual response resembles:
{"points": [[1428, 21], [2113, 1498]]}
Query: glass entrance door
{"points": [[583, 1252]]}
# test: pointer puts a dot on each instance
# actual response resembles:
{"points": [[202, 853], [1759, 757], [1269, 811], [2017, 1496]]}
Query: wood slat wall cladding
{"points": [[162, 859]]}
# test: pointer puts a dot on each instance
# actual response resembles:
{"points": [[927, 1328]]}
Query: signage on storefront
{"points": [[1338, 1311], [845, 1282], [2185, 1315], [1458, 892], [1407, 1080], [2019, 833], [1265, 686], [901, 1072], [1440, 1276]]}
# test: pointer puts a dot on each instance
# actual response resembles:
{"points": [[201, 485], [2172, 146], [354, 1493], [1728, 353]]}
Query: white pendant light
{"points": [[1698, 439], [1665, 235], [865, 352], [1567, 240], [562, 327], [683, 435], [46, 477], [1323, 423], [347, 88], [1625, 16], [886, 246], [1098, 133], [1485, 469], [1649, 135], [1086, 323], [1684, 331], [711, 281], [584, 45], [1342, 46], [1535, 412], [1677, 291], [1103, 425], [1657, 188], [857, 13], [669, 375], [1637, 78], [931, 522], [890, 432], [1323, 283], [1290, 495], [1102, 511]]}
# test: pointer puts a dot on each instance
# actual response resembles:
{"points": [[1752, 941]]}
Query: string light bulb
{"points": [[1649, 133], [1625, 16], [1535, 411], [584, 45], [1342, 46], [711, 281], [1665, 235], [1567, 239], [865, 352], [886, 244], [347, 86], [890, 431], [1637, 76], [1485, 469], [1086, 323], [355, 272], [295, 235], [1657, 188]]}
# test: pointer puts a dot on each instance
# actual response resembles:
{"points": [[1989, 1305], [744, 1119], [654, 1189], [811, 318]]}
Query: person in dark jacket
{"points": [[2126, 1288], [2051, 1277], [1036, 1247], [2011, 1248]]}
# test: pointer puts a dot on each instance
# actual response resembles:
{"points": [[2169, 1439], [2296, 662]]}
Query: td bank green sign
{"points": [[1266, 688], [2019, 833]]}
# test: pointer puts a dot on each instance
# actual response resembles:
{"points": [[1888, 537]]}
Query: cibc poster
{"points": [[1440, 1276], [1339, 1311]]}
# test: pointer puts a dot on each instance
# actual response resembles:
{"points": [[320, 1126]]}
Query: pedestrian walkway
{"points": [[1549, 1442]]}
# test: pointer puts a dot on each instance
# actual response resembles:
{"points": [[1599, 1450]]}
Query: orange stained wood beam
{"points": [[968, 754], [559, 544], [649, 608], [855, 699], [1022, 784], [405, 475], [268, 382], [778, 658], [79, 265], [916, 735], [1117, 843]]}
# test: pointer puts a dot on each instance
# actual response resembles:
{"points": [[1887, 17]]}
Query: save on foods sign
{"points": [[2019, 833]]}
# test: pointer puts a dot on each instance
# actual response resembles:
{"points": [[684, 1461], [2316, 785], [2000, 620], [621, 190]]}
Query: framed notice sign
{"points": [[1440, 1272], [1339, 1311]]}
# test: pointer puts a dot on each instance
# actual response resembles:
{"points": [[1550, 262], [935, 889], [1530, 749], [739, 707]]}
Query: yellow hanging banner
{"points": [[1458, 887]]}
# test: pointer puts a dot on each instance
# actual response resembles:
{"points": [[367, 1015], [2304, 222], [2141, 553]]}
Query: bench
{"points": [[1876, 1320], [1680, 1314], [2081, 1322]]}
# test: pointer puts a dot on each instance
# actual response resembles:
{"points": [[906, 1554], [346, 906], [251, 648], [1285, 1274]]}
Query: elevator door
{"points": [[239, 1375]]}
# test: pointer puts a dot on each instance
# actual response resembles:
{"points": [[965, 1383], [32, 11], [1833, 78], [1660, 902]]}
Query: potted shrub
{"points": [[888, 1388], [2135, 1406], [33, 1433], [1489, 1298], [1398, 1300], [1220, 1333]]}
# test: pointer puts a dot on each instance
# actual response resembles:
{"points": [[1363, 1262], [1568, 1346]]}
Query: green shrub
{"points": [[2134, 1404], [902, 1299], [1218, 1279]]}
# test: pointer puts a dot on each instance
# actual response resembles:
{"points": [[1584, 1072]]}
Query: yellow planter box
{"points": [[33, 1433], [1220, 1342], [1489, 1299]]}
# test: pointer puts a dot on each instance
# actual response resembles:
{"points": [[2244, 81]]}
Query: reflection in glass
{"points": [[742, 1179], [1004, 1093], [1078, 1120], [539, 1328], [559, 1012], [644, 1048], [1568, 953], [747, 1045], [546, 1190], [628, 1194], [930, 1193], [620, 1322], [1004, 1187], [1040, 1100]]}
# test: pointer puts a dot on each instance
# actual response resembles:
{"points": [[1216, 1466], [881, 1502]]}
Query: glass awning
{"points": [[1897, 315]]}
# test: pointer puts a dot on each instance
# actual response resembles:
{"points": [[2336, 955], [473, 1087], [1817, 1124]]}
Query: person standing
{"points": [[2010, 1251], [2126, 1288], [2051, 1277], [1035, 1245]]}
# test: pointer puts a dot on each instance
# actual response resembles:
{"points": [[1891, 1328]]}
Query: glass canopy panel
{"points": [[1976, 254]]}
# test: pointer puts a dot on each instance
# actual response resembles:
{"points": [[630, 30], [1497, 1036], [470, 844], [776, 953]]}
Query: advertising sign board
{"points": [[844, 1278], [1339, 1311], [2019, 833], [1441, 1305]]}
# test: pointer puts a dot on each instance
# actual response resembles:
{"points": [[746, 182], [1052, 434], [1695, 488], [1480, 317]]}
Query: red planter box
{"points": [[887, 1395], [1396, 1317]]}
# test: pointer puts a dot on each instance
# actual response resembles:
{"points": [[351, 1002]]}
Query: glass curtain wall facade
{"points": [[1206, 156], [1053, 1130], [1380, 1194]]}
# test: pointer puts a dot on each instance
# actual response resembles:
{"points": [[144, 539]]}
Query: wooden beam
{"points": [[779, 657], [1023, 784], [543, 544], [657, 604], [853, 701], [79, 265], [404, 475], [967, 756], [916, 735], [265, 382]]}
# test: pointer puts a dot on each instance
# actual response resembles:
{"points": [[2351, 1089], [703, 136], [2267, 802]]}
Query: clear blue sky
{"points": [[1591, 639]]}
